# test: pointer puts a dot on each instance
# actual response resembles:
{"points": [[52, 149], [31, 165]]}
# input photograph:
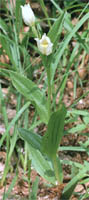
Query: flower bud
{"points": [[44, 45], [28, 15]]}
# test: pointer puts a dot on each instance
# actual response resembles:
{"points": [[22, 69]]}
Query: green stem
{"points": [[34, 30], [56, 168], [26, 122], [49, 91]]}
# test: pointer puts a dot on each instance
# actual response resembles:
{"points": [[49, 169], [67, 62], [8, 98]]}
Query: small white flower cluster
{"points": [[44, 44]]}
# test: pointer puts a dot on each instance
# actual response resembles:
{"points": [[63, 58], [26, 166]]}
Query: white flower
{"points": [[28, 15], [44, 45]]}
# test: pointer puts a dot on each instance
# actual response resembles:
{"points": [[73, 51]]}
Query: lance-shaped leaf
{"points": [[30, 90], [53, 136], [42, 166], [32, 138], [56, 30]]}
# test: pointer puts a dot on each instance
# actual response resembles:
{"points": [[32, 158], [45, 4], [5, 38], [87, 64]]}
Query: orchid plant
{"points": [[43, 151], [49, 142]]}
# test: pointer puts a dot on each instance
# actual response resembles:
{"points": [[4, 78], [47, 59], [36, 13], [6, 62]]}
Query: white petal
{"points": [[28, 15], [44, 45]]}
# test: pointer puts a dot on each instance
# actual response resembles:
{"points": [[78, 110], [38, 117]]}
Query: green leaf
{"points": [[86, 119], [56, 29], [64, 44], [18, 17], [3, 26], [78, 128], [11, 186], [69, 188], [71, 148], [12, 123], [10, 47], [53, 136], [79, 112], [30, 90], [41, 165], [32, 138], [5, 72], [34, 189], [45, 11]]}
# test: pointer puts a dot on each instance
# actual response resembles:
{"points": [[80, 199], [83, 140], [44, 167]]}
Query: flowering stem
{"points": [[35, 31], [49, 91]]}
